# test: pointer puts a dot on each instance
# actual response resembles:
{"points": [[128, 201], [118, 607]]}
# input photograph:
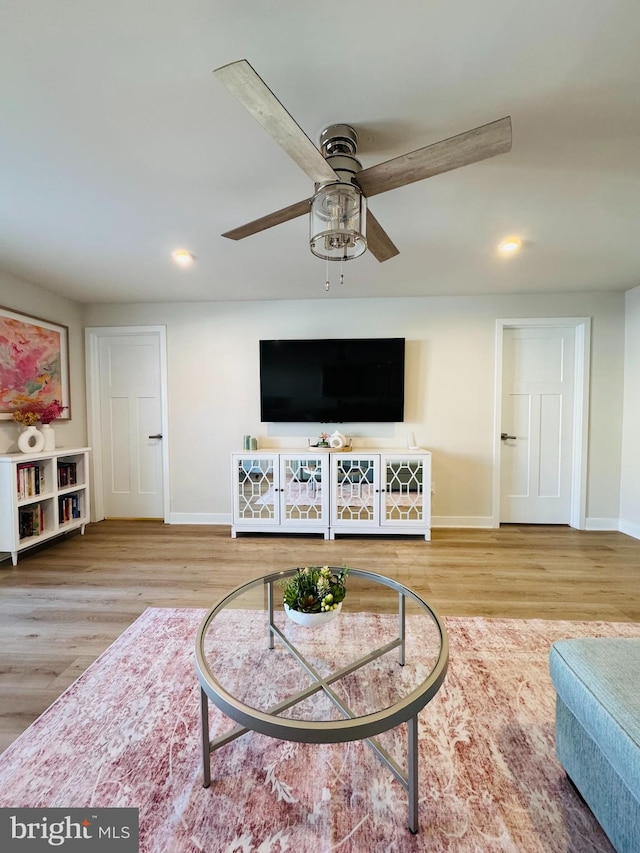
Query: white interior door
{"points": [[537, 424], [130, 413]]}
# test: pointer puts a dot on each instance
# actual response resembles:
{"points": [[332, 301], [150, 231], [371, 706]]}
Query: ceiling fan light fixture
{"points": [[338, 222]]}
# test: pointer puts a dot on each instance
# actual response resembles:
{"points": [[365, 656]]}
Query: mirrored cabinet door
{"points": [[356, 484], [304, 488], [404, 499], [255, 494]]}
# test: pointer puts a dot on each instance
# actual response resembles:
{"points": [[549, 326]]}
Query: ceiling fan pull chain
{"points": [[341, 272], [327, 283]]}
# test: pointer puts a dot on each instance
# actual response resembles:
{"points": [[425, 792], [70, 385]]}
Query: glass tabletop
{"points": [[374, 666]]}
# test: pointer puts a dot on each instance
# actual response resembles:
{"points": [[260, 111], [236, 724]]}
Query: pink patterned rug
{"points": [[126, 733]]}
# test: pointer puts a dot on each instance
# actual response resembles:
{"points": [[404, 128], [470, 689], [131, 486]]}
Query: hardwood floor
{"points": [[63, 604]]}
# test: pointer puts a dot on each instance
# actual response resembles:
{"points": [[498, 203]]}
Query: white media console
{"points": [[332, 492]]}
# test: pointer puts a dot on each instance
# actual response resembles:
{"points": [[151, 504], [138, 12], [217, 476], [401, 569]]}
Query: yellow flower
{"points": [[26, 418]]}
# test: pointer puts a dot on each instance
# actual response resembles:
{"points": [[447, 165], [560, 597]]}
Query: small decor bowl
{"points": [[310, 620]]}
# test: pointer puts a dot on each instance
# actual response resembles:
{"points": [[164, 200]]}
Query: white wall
{"points": [[630, 480], [213, 388], [26, 298]]}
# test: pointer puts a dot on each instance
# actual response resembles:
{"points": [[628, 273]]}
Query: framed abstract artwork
{"points": [[34, 363]]}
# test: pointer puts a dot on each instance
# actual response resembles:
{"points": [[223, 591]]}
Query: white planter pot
{"points": [[312, 619]]}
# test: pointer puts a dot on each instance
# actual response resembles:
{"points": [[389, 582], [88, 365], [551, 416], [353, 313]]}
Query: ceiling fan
{"points": [[341, 227]]}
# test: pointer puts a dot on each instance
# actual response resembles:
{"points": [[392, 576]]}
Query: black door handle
{"points": [[156, 436], [505, 437]]}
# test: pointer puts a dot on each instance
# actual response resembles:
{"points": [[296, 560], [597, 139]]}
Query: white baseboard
{"points": [[462, 521], [199, 518], [602, 524], [629, 528], [225, 518]]}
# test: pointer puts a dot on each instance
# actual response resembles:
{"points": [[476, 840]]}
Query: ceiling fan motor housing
{"points": [[338, 139]]}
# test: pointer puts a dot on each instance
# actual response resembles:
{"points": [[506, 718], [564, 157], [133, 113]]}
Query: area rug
{"points": [[126, 733]]}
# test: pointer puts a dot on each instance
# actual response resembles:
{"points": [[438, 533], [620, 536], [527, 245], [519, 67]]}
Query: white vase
{"points": [[49, 436], [312, 619], [31, 440]]}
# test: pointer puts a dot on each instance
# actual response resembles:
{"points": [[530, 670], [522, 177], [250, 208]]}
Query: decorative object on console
{"points": [[314, 595], [34, 363], [323, 441], [31, 440], [337, 440], [411, 442]]}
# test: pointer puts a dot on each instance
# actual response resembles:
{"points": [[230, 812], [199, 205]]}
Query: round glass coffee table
{"points": [[374, 667]]}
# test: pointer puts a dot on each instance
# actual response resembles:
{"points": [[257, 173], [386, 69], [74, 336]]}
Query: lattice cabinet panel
{"points": [[356, 489], [304, 488], [403, 495], [255, 494]]}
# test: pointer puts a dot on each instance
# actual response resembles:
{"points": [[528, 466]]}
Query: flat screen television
{"points": [[332, 381]]}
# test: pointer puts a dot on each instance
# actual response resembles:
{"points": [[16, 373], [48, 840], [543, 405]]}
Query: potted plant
{"points": [[314, 595]]}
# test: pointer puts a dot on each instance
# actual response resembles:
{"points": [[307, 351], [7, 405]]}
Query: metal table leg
{"points": [[206, 749], [412, 772]]}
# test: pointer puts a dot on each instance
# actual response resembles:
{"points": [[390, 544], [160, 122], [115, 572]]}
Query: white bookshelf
{"points": [[42, 495]]}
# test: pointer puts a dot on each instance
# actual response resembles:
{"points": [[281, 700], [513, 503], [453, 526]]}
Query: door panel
{"points": [[131, 412], [537, 415]]}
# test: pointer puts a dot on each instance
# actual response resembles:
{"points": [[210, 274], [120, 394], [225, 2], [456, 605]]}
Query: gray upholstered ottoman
{"points": [[597, 684]]}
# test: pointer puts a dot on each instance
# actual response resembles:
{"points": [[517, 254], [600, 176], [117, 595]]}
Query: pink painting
{"points": [[33, 362]]}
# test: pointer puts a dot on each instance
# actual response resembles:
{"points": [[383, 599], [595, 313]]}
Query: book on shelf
{"points": [[31, 479], [67, 474], [30, 521], [68, 508]]}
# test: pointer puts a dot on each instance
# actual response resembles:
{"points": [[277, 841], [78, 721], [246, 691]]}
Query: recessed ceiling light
{"points": [[182, 257], [509, 246]]}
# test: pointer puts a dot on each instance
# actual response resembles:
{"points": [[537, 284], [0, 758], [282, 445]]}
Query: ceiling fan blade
{"points": [[255, 96], [271, 219], [378, 241], [469, 147]]}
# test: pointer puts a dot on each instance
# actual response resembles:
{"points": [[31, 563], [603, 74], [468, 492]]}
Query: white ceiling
{"points": [[118, 145]]}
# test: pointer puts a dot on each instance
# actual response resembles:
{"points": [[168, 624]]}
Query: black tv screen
{"points": [[332, 381]]}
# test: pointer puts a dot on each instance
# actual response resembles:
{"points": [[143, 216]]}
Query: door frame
{"points": [[580, 439], [93, 334]]}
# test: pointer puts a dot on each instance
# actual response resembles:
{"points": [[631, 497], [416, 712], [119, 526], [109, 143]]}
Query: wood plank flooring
{"points": [[63, 604]]}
